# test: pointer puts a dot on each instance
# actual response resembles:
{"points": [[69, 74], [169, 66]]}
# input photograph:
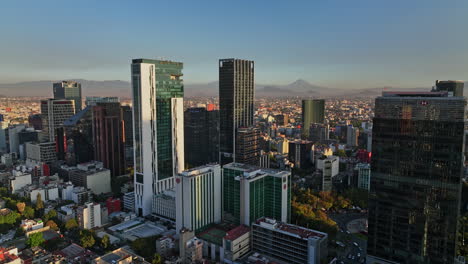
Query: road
{"points": [[349, 253]]}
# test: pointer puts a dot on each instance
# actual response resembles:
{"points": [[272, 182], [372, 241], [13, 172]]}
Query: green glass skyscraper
{"points": [[250, 192], [313, 111], [158, 128]]}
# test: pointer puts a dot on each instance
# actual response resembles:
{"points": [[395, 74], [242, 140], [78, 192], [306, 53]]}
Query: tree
{"points": [[50, 215], [341, 153], [20, 206], [35, 239], [19, 232], [140, 246], [39, 202], [52, 225], [157, 259], [105, 241], [86, 238], [71, 224], [28, 212]]}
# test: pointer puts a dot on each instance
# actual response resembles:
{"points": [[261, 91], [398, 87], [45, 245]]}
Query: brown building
{"points": [[109, 137]]}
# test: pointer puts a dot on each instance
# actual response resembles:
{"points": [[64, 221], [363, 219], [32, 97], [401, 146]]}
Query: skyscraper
{"points": [[201, 136], [313, 111], [108, 135], [158, 128], [248, 146], [127, 114], [79, 131], [455, 87], [417, 168], [54, 113], [236, 102], [69, 90]]}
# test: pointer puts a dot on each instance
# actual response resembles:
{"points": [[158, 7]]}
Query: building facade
{"points": [[108, 135], [453, 87], [201, 130], [250, 192], [236, 103], [363, 175], [417, 167], [313, 111], [158, 130], [198, 197], [300, 153], [69, 90], [54, 113], [89, 215], [289, 243], [248, 145]]}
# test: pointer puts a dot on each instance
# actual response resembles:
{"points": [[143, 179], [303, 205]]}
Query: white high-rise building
{"points": [[89, 215], [198, 197], [158, 128]]}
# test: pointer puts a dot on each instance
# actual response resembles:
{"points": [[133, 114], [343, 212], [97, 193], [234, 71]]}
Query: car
{"points": [[350, 256], [356, 244], [359, 254], [353, 257], [347, 232], [362, 261]]}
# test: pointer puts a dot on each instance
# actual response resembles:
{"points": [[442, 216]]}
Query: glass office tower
{"points": [[313, 111], [236, 102], [417, 168], [69, 90], [158, 128]]}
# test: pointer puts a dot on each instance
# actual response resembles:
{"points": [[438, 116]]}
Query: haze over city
{"points": [[339, 44]]}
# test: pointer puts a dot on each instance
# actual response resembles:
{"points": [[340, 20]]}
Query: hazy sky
{"points": [[348, 43]]}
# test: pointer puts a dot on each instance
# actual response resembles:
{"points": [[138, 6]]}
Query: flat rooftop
{"points": [[199, 170], [251, 171], [237, 232], [295, 230]]}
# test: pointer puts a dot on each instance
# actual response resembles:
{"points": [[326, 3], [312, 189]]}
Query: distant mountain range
{"points": [[298, 88]]}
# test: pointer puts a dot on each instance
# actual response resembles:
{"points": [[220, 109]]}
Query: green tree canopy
{"points": [[39, 202], [28, 212], [35, 239], [71, 224], [87, 239], [105, 241]]}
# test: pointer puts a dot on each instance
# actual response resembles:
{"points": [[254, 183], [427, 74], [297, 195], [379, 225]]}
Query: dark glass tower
{"points": [[201, 130], [313, 111], [69, 90], [417, 168], [236, 102], [128, 128], [456, 87], [248, 146]]}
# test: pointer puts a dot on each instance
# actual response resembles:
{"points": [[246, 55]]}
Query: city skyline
{"points": [[358, 45]]}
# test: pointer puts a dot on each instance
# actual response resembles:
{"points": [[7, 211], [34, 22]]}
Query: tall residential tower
{"points": [[236, 103], [158, 128]]}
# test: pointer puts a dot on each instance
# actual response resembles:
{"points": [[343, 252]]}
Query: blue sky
{"points": [[343, 44]]}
